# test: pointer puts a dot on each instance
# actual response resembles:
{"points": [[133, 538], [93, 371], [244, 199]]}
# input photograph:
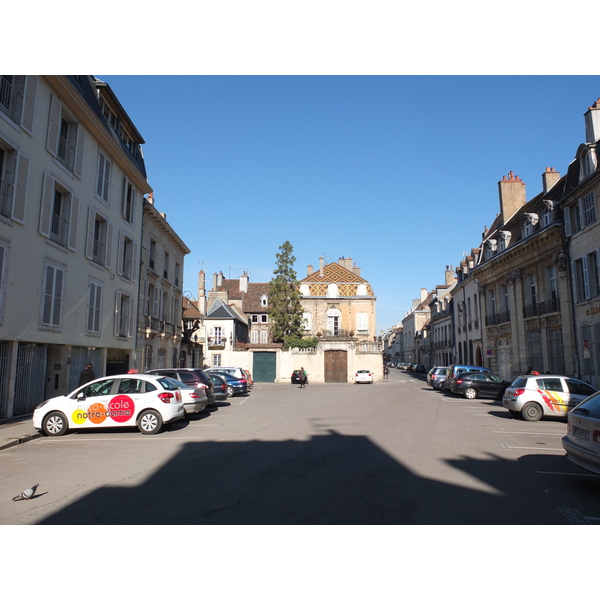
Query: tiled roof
{"points": [[333, 273]]}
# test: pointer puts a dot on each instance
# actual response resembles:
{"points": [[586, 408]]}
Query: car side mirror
{"points": [[81, 396]]}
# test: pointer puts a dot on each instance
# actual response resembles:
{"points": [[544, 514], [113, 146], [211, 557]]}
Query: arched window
{"points": [[305, 289], [332, 290], [361, 290]]}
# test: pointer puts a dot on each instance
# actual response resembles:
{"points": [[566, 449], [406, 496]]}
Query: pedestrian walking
{"points": [[303, 377], [86, 375], [386, 372]]}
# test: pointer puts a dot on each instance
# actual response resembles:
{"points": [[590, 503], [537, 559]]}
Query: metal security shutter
{"points": [[30, 380], [264, 367], [3, 380]]}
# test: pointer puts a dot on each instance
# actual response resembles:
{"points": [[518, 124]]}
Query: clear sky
{"points": [[399, 173]]}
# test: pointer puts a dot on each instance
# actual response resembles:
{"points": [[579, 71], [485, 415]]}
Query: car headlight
{"points": [[42, 404]]}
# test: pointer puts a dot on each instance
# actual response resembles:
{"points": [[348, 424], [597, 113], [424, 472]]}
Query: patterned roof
{"points": [[346, 280]]}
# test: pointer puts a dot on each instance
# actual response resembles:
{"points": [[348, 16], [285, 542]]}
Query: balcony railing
{"points": [[503, 317], [338, 333], [541, 308]]}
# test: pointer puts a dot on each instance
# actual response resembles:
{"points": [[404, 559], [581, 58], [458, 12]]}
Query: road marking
{"points": [[573, 516]]}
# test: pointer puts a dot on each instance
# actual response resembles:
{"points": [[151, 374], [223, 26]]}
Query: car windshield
{"points": [[590, 407], [579, 387]]}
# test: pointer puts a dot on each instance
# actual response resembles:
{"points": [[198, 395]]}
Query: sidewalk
{"points": [[17, 431]]}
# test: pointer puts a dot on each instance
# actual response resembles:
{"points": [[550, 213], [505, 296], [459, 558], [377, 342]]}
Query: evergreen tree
{"points": [[285, 310]]}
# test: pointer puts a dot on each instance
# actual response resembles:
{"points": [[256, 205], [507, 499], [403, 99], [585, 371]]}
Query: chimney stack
{"points": [[450, 277], [592, 123], [310, 269], [321, 267], [512, 195], [201, 293], [244, 282], [549, 178]]}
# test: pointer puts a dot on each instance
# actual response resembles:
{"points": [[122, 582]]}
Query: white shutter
{"points": [[20, 197], [574, 281], [109, 237], [78, 166], [29, 103], [567, 218], [586, 277], [45, 214], [53, 126], [91, 226], [73, 223], [120, 251]]}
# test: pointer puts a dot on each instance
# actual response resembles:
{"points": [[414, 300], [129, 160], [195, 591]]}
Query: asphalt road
{"points": [[393, 453]]}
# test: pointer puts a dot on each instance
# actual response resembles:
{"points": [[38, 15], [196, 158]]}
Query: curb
{"points": [[11, 442]]}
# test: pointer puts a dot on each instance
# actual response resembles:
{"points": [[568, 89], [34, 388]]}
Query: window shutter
{"points": [[29, 101], [117, 313], [586, 277], [73, 223], [120, 253], [20, 197], [53, 126], [109, 237], [47, 294], [134, 266], [58, 294], [78, 167], [567, 218], [574, 281], [46, 205], [91, 226]]}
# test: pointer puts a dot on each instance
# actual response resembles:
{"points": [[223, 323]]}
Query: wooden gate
{"points": [[336, 366], [264, 366]]}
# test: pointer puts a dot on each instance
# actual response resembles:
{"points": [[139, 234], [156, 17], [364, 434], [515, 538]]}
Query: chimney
{"points": [[214, 287], [150, 198], [321, 267], [345, 262], [592, 123], [512, 195], [356, 270], [450, 277], [201, 293], [549, 178], [424, 294], [244, 282], [310, 269], [220, 279]]}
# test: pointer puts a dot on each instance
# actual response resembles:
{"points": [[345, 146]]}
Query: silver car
{"points": [[535, 396], [582, 441]]}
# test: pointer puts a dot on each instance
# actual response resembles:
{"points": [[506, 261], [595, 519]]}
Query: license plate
{"points": [[582, 434]]}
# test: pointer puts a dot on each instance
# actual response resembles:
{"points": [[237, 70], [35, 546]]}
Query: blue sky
{"points": [[399, 173]]}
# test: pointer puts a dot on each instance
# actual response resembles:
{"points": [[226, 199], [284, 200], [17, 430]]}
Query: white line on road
{"points": [[529, 432], [535, 448]]}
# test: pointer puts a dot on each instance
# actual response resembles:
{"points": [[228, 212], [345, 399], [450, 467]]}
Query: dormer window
{"points": [[264, 300], [587, 164]]}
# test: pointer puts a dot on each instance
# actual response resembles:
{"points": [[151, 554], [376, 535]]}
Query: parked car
{"points": [[363, 376], [220, 386], [479, 385], [235, 371], [454, 370], [582, 442], [235, 385], [146, 401], [194, 398], [534, 396], [417, 368], [436, 378], [296, 377], [190, 377], [402, 366]]}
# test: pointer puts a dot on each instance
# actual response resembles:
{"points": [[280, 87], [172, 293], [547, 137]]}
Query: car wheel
{"points": [[532, 411], [149, 422], [471, 393], [230, 392], [55, 423]]}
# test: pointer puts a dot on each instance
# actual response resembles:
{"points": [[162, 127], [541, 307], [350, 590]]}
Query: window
{"points": [[556, 362], [60, 209], [129, 198], [552, 277], [177, 275], [588, 209], [264, 300], [362, 323], [166, 306], [492, 302], [217, 333], [264, 318], [166, 266], [152, 259], [99, 239], [594, 273], [127, 252], [581, 281], [307, 321], [52, 294], [264, 336], [3, 275], [333, 325], [17, 99], [534, 350], [65, 138], [332, 290], [94, 306], [254, 336], [361, 290], [216, 360], [103, 177], [546, 216], [532, 291], [123, 315]]}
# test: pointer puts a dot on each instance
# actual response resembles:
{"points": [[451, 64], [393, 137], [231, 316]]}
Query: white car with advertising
{"points": [[144, 401]]}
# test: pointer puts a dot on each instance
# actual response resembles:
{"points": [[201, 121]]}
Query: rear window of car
{"points": [[552, 385], [188, 377], [168, 383], [519, 382], [590, 407]]}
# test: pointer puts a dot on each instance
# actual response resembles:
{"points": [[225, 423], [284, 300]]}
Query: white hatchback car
{"points": [[582, 441], [145, 401], [363, 376], [535, 396]]}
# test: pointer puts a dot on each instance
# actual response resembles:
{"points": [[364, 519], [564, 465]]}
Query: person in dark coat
{"points": [[303, 377], [86, 375]]}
